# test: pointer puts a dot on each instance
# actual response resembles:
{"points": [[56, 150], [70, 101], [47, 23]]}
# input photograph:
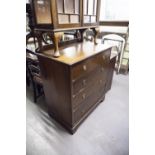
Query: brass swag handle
{"points": [[84, 67]]}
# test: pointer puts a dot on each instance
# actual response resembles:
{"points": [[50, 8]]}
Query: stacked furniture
{"points": [[124, 65], [33, 76], [117, 33], [76, 74], [118, 42], [56, 16]]}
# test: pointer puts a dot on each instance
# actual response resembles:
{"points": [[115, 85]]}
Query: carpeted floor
{"points": [[104, 132]]}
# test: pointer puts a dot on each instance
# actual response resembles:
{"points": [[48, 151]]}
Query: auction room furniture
{"points": [[56, 16], [76, 74], [76, 82], [33, 75], [119, 42], [118, 31]]}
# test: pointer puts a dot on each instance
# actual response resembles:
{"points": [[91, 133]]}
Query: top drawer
{"points": [[90, 64]]}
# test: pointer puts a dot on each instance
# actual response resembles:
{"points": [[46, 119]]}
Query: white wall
{"points": [[114, 10]]}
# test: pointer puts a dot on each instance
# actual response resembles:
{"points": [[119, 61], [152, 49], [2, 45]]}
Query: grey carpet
{"points": [[104, 132]]}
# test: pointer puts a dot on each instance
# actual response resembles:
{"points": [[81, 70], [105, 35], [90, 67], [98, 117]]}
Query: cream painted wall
{"points": [[114, 10]]}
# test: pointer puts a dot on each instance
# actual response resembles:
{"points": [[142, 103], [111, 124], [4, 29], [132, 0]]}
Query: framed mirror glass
{"points": [[68, 11], [90, 11]]}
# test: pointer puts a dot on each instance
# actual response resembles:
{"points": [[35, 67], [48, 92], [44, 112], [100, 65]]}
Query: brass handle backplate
{"points": [[84, 67], [103, 57]]}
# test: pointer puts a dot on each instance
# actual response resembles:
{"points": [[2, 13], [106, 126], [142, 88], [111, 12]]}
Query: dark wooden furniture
{"points": [[33, 75], [110, 73], [76, 74], [114, 23], [76, 82], [36, 81]]}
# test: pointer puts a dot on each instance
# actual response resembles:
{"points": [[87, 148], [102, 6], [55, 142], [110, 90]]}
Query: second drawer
{"points": [[88, 79], [88, 90]]}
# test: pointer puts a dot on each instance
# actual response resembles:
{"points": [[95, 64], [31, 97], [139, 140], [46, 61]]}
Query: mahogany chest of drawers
{"points": [[76, 82]]}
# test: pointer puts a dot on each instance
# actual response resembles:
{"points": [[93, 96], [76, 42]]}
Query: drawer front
{"points": [[88, 103], [90, 64], [106, 57], [88, 79], [84, 68], [92, 86]]}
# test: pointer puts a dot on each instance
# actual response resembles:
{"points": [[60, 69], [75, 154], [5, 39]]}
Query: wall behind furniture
{"points": [[114, 10]]}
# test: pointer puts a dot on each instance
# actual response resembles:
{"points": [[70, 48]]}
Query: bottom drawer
{"points": [[88, 103]]}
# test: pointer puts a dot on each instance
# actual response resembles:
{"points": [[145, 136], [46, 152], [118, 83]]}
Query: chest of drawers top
{"points": [[74, 53]]}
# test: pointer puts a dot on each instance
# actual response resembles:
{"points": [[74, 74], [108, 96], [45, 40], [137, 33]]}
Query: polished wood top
{"points": [[76, 52]]}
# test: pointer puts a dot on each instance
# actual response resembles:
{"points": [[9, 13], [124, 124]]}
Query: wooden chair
{"points": [[33, 76], [117, 41], [30, 58]]}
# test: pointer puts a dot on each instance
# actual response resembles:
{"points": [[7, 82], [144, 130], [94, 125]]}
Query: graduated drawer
{"points": [[87, 80], [90, 64], [88, 103], [93, 85]]}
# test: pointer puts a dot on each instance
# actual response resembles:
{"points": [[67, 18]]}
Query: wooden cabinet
{"points": [[77, 75], [56, 14], [75, 83]]}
